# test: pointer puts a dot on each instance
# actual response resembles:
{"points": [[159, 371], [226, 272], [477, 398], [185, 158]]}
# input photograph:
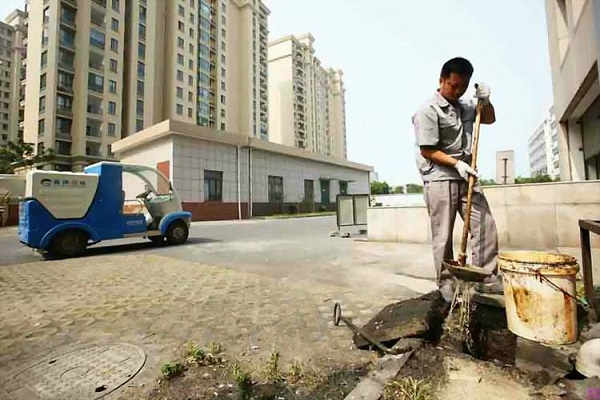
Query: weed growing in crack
{"points": [[171, 370], [295, 372], [243, 381], [408, 389], [272, 370], [205, 356]]}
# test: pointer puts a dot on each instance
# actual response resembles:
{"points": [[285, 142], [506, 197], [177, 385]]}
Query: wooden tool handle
{"points": [[462, 257]]}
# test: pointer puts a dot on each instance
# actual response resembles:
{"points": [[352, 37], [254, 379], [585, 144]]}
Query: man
{"points": [[444, 129]]}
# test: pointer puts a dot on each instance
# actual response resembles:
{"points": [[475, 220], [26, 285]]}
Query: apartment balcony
{"points": [[101, 3], [72, 3], [64, 87], [93, 149], [64, 111], [22, 125], [63, 135]]}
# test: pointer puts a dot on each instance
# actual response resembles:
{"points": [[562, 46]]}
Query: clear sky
{"points": [[391, 52]]}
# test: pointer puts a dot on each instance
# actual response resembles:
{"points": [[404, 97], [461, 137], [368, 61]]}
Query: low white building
{"points": [[543, 148], [222, 175]]}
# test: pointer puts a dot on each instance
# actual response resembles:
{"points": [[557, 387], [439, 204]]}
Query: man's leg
{"points": [[443, 201], [484, 235]]}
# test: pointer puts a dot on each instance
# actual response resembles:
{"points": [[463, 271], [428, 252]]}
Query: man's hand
{"points": [[465, 170], [483, 92]]}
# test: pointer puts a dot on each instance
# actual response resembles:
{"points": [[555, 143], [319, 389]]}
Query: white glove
{"points": [[483, 92], [465, 170]]}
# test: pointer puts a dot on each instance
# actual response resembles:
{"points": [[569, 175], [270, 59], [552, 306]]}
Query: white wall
{"points": [[540, 216], [295, 170]]}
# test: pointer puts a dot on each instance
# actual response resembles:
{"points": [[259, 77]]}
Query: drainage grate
{"points": [[84, 374]]}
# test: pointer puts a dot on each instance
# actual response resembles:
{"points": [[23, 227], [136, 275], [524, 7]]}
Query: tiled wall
{"points": [[193, 156]]}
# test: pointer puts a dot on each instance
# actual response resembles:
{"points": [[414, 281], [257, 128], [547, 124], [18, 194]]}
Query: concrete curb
{"points": [[371, 387]]}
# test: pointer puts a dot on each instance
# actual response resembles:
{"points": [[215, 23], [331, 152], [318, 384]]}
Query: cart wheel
{"points": [[337, 314], [177, 233], [71, 243]]}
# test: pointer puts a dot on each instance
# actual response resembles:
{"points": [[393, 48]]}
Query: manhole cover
{"points": [[88, 373]]}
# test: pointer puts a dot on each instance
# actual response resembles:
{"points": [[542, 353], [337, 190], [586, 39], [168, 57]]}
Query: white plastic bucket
{"points": [[539, 293]]}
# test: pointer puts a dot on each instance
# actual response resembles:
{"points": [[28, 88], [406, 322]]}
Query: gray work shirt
{"points": [[444, 127]]}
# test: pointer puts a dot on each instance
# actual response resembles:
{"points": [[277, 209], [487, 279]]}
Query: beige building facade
{"points": [[102, 70], [12, 35], [574, 41], [306, 100]]}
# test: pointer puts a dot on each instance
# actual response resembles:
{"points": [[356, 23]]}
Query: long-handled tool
{"points": [[461, 270], [337, 317]]}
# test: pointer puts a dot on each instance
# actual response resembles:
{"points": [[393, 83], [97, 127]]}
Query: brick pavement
{"points": [[159, 302]]}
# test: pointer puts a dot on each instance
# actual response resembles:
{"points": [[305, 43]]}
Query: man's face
{"points": [[454, 86]]}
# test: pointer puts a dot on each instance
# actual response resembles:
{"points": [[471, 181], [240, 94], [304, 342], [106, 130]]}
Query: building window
{"points": [[191, 33], [180, 59], [114, 45], [64, 102], [65, 81], [213, 185], [139, 108], [141, 50], [223, 46], [142, 32], [95, 82], [223, 20], [140, 88], [182, 11], [115, 5], [139, 125], [180, 93], [112, 86], [41, 127], [223, 86], [192, 18], [112, 107], [222, 99], [180, 42], [141, 69], [142, 14], [63, 126], [343, 187], [190, 80], [275, 189], [180, 76], [181, 26], [179, 109], [223, 72], [222, 126], [97, 38], [190, 64], [190, 113], [191, 48], [42, 107], [223, 58], [66, 58], [190, 96], [114, 24], [44, 59], [113, 65], [46, 15], [112, 129]]}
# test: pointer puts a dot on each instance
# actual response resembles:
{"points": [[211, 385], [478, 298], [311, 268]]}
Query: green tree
{"points": [[380, 188], [487, 182], [534, 179], [414, 188], [398, 190], [20, 154]]}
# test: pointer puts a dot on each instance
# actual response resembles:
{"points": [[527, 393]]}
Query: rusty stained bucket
{"points": [[539, 293]]}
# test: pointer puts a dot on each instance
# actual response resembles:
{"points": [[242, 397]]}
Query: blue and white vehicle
{"points": [[64, 212]]}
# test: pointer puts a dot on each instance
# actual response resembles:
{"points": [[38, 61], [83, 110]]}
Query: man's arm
{"points": [[437, 156], [488, 114]]}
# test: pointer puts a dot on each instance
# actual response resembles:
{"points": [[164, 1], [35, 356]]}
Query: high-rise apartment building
{"points": [[98, 71], [12, 35], [543, 148], [306, 100], [198, 61]]}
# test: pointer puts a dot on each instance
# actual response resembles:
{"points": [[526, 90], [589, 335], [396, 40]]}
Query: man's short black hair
{"points": [[458, 65]]}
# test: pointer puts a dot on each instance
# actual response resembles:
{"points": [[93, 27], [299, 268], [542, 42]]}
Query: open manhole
{"points": [[87, 373]]}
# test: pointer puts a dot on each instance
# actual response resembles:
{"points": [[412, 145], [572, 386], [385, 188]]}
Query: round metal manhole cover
{"points": [[88, 373]]}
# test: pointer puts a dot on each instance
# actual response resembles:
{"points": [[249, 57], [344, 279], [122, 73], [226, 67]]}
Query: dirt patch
{"points": [[206, 375]]}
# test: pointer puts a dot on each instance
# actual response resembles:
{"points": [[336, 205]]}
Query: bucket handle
{"points": [[542, 277]]}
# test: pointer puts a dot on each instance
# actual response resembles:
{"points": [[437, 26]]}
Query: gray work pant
{"points": [[444, 199]]}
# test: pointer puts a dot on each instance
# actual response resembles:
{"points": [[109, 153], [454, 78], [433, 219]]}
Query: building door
{"points": [[309, 196], [324, 192]]}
